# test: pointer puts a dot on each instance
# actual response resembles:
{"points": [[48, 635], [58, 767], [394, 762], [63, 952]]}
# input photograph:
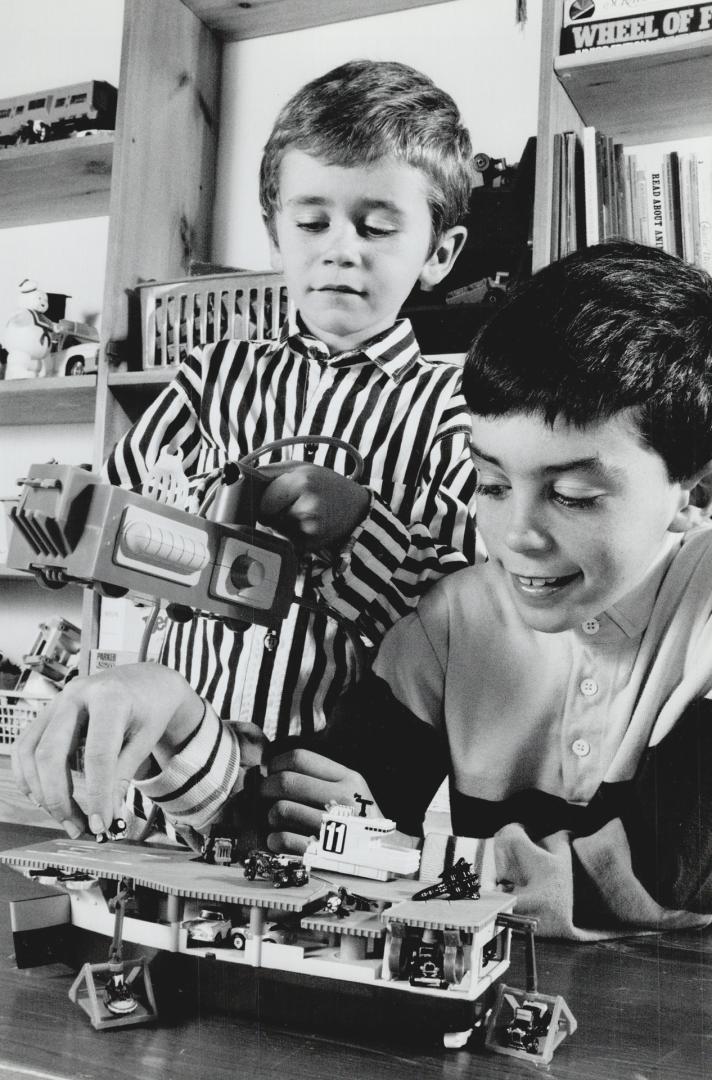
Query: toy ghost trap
{"points": [[71, 526]]}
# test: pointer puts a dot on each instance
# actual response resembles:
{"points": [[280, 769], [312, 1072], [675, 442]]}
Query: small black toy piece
{"points": [[116, 831], [460, 882], [282, 870]]}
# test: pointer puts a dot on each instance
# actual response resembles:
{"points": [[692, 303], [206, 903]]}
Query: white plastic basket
{"points": [[178, 315], [17, 710]]}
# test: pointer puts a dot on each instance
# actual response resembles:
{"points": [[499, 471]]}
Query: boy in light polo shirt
{"points": [[565, 687]]}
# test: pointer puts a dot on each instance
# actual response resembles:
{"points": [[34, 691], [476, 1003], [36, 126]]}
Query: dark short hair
{"points": [[365, 110], [614, 327]]}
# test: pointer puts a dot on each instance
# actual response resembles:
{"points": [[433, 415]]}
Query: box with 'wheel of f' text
{"points": [[603, 24]]}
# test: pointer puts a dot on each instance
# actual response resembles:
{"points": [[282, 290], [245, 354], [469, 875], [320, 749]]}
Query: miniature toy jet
{"points": [[460, 882]]}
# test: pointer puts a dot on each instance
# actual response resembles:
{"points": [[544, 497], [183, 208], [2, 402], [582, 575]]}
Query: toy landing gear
{"points": [[124, 998], [525, 1023]]}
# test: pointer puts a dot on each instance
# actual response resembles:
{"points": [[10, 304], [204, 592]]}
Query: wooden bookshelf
{"points": [[56, 181], [637, 93], [234, 21], [68, 399], [644, 92]]}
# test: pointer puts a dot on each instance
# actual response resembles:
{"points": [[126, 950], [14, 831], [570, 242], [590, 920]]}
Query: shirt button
{"points": [[588, 687], [591, 626], [581, 748]]}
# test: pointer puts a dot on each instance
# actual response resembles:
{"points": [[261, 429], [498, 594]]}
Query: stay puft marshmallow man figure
{"points": [[27, 336]]}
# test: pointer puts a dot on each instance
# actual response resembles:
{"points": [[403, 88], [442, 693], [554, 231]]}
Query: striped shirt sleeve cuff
{"points": [[193, 786]]}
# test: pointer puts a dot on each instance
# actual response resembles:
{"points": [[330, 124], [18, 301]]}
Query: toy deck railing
{"points": [[176, 316]]}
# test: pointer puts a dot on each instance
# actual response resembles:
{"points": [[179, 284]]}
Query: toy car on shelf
{"points": [[211, 927], [274, 934], [426, 964], [281, 870], [75, 348]]}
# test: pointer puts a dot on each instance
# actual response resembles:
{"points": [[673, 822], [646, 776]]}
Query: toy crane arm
{"points": [[117, 904]]}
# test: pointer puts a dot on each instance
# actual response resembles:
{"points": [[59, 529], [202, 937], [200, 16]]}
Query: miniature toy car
{"points": [[282, 870], [77, 360], [275, 933], [75, 348], [426, 965], [211, 927], [340, 903], [487, 290], [117, 996], [529, 1023]]}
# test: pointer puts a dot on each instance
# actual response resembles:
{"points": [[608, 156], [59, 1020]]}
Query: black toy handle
{"points": [[247, 466]]}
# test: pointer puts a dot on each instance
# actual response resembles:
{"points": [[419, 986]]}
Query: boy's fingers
{"points": [[42, 760], [290, 843], [286, 816], [298, 788], [253, 743], [105, 735], [281, 494], [309, 763]]}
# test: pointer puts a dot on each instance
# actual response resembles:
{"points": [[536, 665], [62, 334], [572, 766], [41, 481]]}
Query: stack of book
{"points": [[659, 195]]}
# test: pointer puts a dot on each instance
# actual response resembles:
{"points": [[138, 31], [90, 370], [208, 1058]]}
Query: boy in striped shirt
{"points": [[364, 183]]}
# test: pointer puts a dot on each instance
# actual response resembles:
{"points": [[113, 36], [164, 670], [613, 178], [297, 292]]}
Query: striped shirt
{"points": [[407, 418]]}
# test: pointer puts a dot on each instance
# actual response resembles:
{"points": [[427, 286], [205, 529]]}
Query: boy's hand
{"points": [[300, 784], [314, 506], [122, 716]]}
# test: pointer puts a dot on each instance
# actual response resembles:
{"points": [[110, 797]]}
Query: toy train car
{"points": [[56, 114]]}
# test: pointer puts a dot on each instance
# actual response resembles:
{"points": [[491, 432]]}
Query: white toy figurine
{"points": [[28, 334]]}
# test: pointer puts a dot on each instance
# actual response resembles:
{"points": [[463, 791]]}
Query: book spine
{"points": [[673, 202], [590, 186], [657, 236], [703, 174]]}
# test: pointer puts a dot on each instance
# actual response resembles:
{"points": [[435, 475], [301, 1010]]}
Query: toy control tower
{"points": [[364, 846]]}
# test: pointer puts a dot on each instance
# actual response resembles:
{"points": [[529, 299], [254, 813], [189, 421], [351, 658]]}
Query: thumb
{"points": [[253, 744]]}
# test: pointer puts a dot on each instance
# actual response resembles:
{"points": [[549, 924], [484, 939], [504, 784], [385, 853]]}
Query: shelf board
{"points": [[645, 91], [136, 390], [65, 399], [56, 181], [157, 377], [234, 21]]}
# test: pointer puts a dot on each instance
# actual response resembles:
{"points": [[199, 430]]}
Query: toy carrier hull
{"points": [[176, 316], [17, 710]]}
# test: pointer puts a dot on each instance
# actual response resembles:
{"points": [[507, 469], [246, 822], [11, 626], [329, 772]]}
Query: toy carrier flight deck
{"points": [[433, 952]]}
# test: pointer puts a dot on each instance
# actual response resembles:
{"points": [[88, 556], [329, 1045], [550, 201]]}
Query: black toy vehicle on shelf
{"points": [[427, 965]]}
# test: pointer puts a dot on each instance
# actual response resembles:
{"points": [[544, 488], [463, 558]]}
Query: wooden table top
{"points": [[643, 1006]]}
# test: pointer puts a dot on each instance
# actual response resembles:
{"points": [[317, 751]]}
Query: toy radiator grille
{"points": [[17, 710], [178, 315]]}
